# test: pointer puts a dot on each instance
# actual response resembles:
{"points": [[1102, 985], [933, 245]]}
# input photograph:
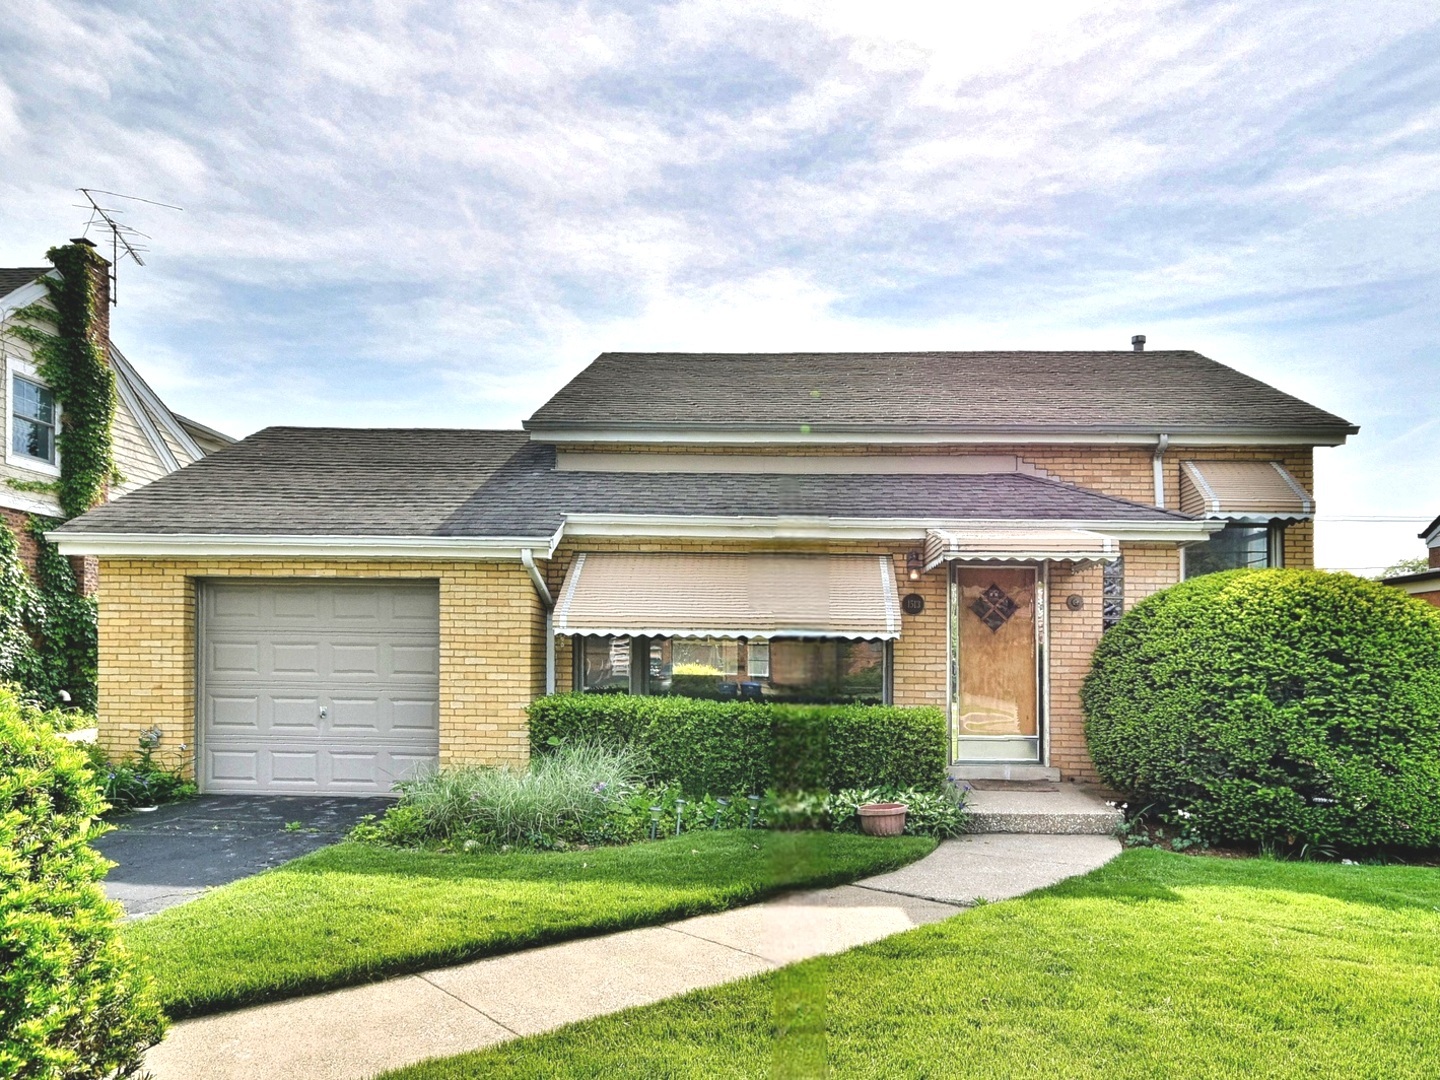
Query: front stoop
{"points": [[1046, 809]]}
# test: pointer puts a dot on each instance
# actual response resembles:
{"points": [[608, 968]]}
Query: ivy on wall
{"points": [[70, 357], [47, 626]]}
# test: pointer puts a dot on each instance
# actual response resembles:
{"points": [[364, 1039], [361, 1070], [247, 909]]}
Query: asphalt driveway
{"points": [[176, 852]]}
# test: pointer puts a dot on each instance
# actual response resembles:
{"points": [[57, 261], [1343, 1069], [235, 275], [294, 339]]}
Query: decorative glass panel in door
{"points": [[997, 716]]}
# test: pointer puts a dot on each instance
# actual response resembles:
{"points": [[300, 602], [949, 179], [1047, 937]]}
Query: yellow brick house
{"points": [[324, 610]]}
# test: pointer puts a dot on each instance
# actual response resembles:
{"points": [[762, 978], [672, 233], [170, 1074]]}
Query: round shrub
{"points": [[72, 1003], [1275, 707]]}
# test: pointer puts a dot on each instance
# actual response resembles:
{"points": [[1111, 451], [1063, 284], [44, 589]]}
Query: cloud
{"points": [[429, 213]]}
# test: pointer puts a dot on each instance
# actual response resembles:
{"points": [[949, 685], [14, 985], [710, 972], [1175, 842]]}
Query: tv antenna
{"points": [[123, 238]]}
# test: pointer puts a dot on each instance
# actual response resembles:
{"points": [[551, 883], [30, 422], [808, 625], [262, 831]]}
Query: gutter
{"points": [[1162, 443], [527, 557]]}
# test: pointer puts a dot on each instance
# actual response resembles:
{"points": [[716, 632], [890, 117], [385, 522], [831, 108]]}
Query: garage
{"points": [[316, 687]]}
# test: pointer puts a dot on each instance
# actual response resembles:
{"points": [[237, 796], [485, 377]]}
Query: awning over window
{"points": [[1017, 545], [1242, 491], [763, 596]]}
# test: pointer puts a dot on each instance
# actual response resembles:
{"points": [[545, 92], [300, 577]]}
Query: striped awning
{"points": [[1243, 491], [1017, 545], [729, 596]]}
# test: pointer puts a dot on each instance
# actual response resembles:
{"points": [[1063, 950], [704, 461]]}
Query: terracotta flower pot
{"points": [[883, 818]]}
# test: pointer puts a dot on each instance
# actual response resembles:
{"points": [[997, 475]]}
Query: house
{"points": [[1426, 583], [320, 610], [148, 440]]}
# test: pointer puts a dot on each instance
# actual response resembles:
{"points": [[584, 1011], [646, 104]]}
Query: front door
{"points": [[996, 708]]}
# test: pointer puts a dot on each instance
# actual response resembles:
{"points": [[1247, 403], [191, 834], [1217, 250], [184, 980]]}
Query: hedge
{"points": [[72, 1002], [1284, 707], [723, 746]]}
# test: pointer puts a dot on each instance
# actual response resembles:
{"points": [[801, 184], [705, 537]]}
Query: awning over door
{"points": [[763, 596], [1243, 491], [1017, 545]]}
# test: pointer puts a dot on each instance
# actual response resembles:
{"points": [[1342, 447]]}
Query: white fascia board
{"points": [[24, 296], [157, 408], [131, 401], [700, 436], [819, 528], [337, 547]]}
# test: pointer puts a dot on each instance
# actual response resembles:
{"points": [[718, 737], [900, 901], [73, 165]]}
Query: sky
{"points": [[423, 214]]}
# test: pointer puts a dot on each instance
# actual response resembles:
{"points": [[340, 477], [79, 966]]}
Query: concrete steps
{"points": [[1045, 809]]}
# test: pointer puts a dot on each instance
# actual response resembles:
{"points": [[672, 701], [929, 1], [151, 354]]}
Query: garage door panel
{"points": [[277, 654]]}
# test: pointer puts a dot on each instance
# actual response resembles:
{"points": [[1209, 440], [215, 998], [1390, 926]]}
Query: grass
{"points": [[354, 912], [1157, 965]]}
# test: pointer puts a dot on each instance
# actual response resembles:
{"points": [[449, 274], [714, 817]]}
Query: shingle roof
{"points": [[16, 277], [349, 482], [1175, 392], [315, 482]]}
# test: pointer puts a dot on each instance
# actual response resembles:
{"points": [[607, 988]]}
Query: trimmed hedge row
{"points": [[1275, 706], [723, 746]]}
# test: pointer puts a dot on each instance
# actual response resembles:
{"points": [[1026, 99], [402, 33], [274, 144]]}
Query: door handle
{"points": [[324, 712]]}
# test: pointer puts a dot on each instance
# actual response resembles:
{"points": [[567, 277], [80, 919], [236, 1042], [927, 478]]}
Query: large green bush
{"points": [[1275, 707], [72, 1002], [709, 747]]}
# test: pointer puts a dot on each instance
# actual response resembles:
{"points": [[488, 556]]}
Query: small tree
{"points": [[72, 1002], [1275, 706]]}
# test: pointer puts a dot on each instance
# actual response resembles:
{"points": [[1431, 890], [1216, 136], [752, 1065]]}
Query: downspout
{"points": [[1162, 443], [548, 602]]}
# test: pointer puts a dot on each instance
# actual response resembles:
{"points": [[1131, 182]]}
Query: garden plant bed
{"points": [[1155, 965], [355, 912]]}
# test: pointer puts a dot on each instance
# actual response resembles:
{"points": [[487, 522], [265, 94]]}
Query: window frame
{"points": [[1274, 545], [640, 672], [18, 368]]}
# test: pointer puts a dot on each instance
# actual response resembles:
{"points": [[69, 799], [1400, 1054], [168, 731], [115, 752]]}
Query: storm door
{"points": [[995, 674]]}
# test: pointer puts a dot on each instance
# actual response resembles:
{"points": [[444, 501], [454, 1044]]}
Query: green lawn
{"points": [[355, 912], [1155, 966]]}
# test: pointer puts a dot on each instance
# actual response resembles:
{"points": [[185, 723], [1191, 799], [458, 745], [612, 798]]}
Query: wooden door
{"points": [[997, 708]]}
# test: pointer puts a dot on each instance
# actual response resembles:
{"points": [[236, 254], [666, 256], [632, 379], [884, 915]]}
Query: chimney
{"points": [[1138, 342], [99, 268]]}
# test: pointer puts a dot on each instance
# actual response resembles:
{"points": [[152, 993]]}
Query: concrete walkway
{"points": [[354, 1034]]}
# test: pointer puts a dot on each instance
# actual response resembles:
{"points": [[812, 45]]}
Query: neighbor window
{"points": [[32, 420], [1236, 547], [809, 670]]}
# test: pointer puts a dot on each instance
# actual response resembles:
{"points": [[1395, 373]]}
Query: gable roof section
{"points": [[1177, 392], [1431, 531], [17, 277], [344, 482]]}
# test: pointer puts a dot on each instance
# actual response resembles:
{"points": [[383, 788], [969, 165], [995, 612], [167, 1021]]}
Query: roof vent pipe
{"points": [[1138, 342]]}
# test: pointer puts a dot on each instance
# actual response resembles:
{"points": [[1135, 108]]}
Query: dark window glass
{"points": [[1235, 547], [1112, 596], [604, 665], [32, 430], [810, 670]]}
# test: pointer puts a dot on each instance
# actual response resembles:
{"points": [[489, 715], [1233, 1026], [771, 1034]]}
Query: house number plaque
{"points": [[913, 604]]}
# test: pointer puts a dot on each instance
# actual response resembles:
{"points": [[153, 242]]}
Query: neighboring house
{"points": [[149, 441], [320, 610], [1426, 583]]}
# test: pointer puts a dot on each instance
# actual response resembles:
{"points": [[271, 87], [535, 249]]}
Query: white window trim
{"points": [[14, 366]]}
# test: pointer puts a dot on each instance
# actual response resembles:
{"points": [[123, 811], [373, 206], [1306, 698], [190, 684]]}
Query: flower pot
{"points": [[883, 818]]}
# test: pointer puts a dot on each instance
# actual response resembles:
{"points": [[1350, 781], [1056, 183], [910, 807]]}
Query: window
{"points": [[1236, 547], [604, 665], [32, 420], [1112, 593], [808, 670]]}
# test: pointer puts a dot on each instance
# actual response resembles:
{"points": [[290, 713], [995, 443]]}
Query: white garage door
{"points": [[317, 688]]}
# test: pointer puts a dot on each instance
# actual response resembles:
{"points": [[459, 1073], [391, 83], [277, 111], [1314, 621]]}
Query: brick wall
{"points": [[1126, 472], [1148, 569], [492, 656], [1073, 637]]}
